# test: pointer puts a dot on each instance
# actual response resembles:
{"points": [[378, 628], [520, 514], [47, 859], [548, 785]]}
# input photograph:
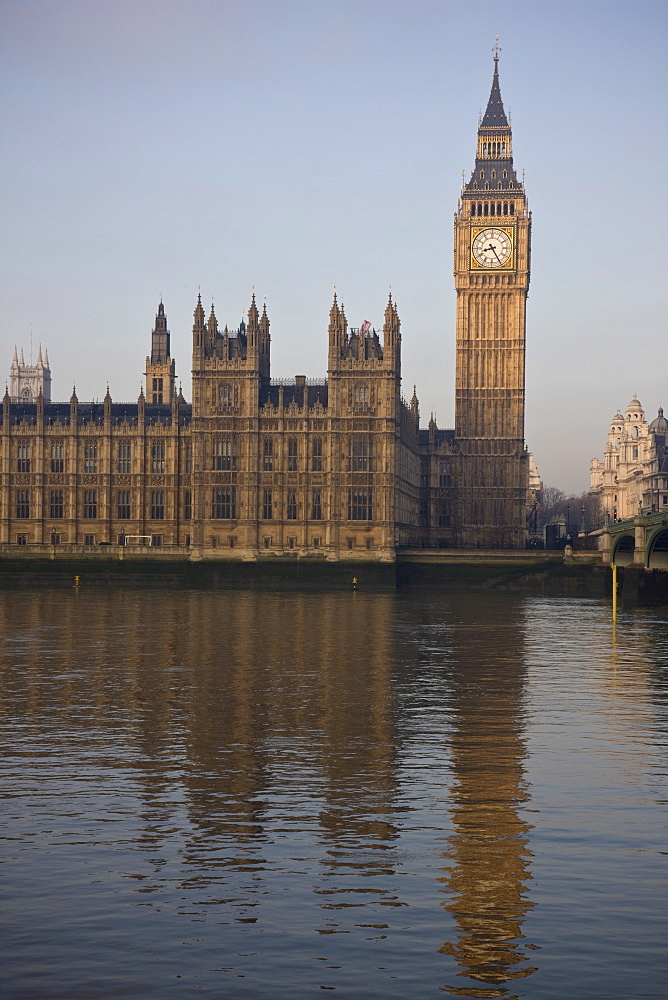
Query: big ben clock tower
{"points": [[492, 260]]}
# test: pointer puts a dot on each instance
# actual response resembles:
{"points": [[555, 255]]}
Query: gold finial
{"points": [[496, 49]]}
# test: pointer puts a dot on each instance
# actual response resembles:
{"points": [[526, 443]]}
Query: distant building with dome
{"points": [[633, 476]]}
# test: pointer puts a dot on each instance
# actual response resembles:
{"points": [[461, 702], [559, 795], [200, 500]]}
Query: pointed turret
{"points": [[253, 315], [199, 314], [265, 341], [74, 407], [253, 329], [264, 319], [211, 333], [198, 333], [337, 333], [392, 335]]}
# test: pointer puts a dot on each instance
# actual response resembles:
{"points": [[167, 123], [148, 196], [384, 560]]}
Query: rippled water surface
{"points": [[270, 795]]}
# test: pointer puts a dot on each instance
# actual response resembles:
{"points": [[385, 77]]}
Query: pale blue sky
{"points": [[158, 146]]}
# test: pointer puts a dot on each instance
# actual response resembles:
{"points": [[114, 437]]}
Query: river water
{"points": [[260, 795]]}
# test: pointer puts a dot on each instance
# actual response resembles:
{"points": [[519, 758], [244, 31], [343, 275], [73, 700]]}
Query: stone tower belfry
{"points": [[492, 263], [160, 366], [28, 382]]}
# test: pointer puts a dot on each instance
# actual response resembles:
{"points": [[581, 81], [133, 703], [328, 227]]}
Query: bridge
{"points": [[640, 541]]}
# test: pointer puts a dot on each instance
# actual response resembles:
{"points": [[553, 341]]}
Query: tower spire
{"points": [[495, 116], [494, 171]]}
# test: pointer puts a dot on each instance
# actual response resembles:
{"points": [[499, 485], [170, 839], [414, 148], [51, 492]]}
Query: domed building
{"points": [[633, 477]]}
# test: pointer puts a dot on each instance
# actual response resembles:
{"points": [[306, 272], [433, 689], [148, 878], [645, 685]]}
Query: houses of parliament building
{"points": [[334, 468]]}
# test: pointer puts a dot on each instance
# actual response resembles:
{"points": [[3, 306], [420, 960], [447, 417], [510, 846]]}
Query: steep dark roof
{"points": [[495, 116]]}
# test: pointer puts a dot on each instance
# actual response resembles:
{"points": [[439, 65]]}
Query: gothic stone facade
{"points": [[252, 466], [336, 468]]}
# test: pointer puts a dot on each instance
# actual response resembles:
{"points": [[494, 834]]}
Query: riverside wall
{"points": [[570, 574], [545, 572]]}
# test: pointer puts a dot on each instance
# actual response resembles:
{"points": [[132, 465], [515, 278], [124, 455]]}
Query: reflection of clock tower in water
{"points": [[492, 246]]}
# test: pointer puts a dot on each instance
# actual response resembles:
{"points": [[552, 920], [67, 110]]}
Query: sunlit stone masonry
{"points": [[333, 468]]}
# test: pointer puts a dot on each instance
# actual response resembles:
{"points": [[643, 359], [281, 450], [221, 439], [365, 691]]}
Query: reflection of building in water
{"points": [[277, 717], [234, 704], [358, 738], [488, 849]]}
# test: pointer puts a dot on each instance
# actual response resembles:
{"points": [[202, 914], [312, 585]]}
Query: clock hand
{"points": [[493, 249]]}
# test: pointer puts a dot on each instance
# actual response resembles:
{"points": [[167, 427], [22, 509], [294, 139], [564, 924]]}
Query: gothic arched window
{"points": [[361, 396]]}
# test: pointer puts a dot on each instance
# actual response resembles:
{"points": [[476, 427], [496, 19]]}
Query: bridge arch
{"points": [[657, 549], [623, 548]]}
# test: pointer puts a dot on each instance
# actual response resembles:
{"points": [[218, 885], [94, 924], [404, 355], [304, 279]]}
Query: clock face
{"points": [[492, 247]]}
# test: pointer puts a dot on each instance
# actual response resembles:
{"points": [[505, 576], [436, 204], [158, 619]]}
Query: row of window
{"points": [[123, 457], [224, 456], [494, 149], [89, 504], [492, 208], [223, 505]]}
